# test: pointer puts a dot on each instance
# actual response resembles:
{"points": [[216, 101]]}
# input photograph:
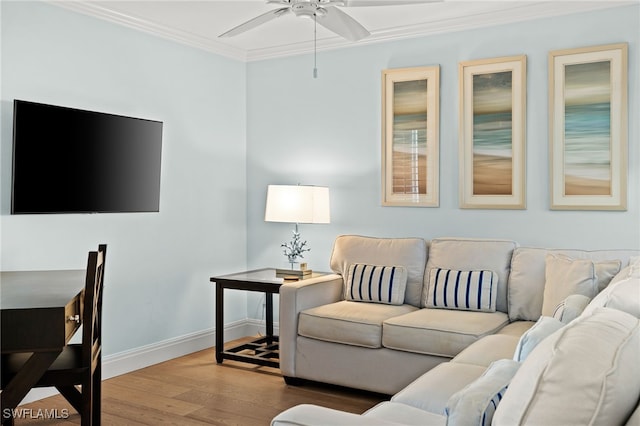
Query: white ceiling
{"points": [[198, 23]]}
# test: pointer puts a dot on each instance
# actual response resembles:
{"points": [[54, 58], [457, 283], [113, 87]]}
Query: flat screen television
{"points": [[68, 160]]}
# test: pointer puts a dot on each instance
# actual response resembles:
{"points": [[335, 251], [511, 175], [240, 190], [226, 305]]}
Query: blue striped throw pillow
{"points": [[488, 413], [375, 283], [464, 290], [476, 403]]}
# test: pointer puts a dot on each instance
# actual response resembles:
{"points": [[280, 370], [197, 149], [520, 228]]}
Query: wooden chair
{"points": [[77, 364]]}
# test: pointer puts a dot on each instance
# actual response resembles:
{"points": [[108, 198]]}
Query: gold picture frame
{"points": [[588, 128], [492, 133], [410, 136]]}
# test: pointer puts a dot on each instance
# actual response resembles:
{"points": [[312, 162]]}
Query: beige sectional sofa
{"points": [[451, 320]]}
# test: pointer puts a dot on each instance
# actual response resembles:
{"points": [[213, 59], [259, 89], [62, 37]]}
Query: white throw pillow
{"points": [[544, 327], [623, 295], [605, 271], [565, 276], [634, 266], [585, 374], [464, 290], [376, 283], [571, 308], [476, 403]]}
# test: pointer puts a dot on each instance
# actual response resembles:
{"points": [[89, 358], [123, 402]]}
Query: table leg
{"points": [[219, 322], [24, 380], [269, 315]]}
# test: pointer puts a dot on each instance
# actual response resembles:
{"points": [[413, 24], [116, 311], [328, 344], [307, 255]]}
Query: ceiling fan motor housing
{"points": [[308, 9]]}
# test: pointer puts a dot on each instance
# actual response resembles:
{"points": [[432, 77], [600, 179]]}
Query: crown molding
{"points": [[182, 37], [518, 12]]}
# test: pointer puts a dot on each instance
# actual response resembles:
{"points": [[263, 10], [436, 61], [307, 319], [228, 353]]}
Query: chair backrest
{"points": [[92, 314]]}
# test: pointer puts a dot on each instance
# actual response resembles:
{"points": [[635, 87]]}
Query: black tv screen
{"points": [[67, 160]]}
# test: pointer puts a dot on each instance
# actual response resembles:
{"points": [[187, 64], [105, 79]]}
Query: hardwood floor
{"points": [[194, 390]]}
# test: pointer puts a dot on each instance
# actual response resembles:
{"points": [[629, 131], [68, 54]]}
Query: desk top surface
{"points": [[39, 289]]}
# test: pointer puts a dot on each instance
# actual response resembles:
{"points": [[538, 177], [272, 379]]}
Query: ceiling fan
{"points": [[325, 12]]}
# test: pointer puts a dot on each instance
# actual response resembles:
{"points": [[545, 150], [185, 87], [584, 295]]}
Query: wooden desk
{"points": [[40, 311]]}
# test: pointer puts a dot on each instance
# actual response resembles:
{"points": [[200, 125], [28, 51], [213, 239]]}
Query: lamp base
{"points": [[296, 272]]}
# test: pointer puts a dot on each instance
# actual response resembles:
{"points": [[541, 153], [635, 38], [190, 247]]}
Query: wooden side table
{"points": [[262, 350]]}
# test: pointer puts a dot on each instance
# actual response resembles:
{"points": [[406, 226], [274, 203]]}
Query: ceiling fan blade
{"points": [[342, 24], [258, 20], [355, 3]]}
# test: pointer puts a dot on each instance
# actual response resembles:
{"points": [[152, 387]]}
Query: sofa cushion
{"points": [[408, 252], [634, 267], [470, 255], [605, 271], [477, 402], [488, 349], [516, 328], [465, 290], [309, 414], [432, 390], [404, 414], [376, 284], [632, 270], [439, 332], [527, 277], [634, 420], [347, 322], [585, 373], [623, 295], [571, 308], [542, 329], [565, 276]]}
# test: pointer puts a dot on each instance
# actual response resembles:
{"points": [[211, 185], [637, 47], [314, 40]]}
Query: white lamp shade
{"points": [[297, 204]]}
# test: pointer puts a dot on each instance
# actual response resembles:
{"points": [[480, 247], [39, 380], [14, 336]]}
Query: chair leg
{"points": [[72, 395], [97, 393], [86, 416]]}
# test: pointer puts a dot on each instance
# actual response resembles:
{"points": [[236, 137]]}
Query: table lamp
{"points": [[297, 204]]}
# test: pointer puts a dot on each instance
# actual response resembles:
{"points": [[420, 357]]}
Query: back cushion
{"points": [[411, 253], [472, 255], [565, 277], [623, 295], [527, 278], [586, 373]]}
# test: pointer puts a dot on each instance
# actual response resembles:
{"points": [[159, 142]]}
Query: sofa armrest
{"points": [[296, 297], [307, 414]]}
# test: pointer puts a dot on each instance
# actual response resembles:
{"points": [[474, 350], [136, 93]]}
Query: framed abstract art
{"points": [[492, 133], [588, 128], [410, 136]]}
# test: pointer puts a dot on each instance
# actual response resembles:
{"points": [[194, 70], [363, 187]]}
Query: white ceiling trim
{"points": [[520, 12], [152, 28]]}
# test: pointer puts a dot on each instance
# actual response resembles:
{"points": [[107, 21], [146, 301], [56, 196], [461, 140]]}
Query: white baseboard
{"points": [[145, 356]]}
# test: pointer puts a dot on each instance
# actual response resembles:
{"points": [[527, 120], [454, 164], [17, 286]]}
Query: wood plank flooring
{"points": [[194, 390]]}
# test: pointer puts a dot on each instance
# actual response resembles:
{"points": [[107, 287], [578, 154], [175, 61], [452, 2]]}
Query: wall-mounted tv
{"points": [[68, 160]]}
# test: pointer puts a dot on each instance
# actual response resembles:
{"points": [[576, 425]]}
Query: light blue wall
{"points": [[232, 128], [159, 264], [327, 132]]}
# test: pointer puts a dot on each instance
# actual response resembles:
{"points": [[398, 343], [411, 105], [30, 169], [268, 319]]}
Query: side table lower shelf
{"points": [[261, 351]]}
